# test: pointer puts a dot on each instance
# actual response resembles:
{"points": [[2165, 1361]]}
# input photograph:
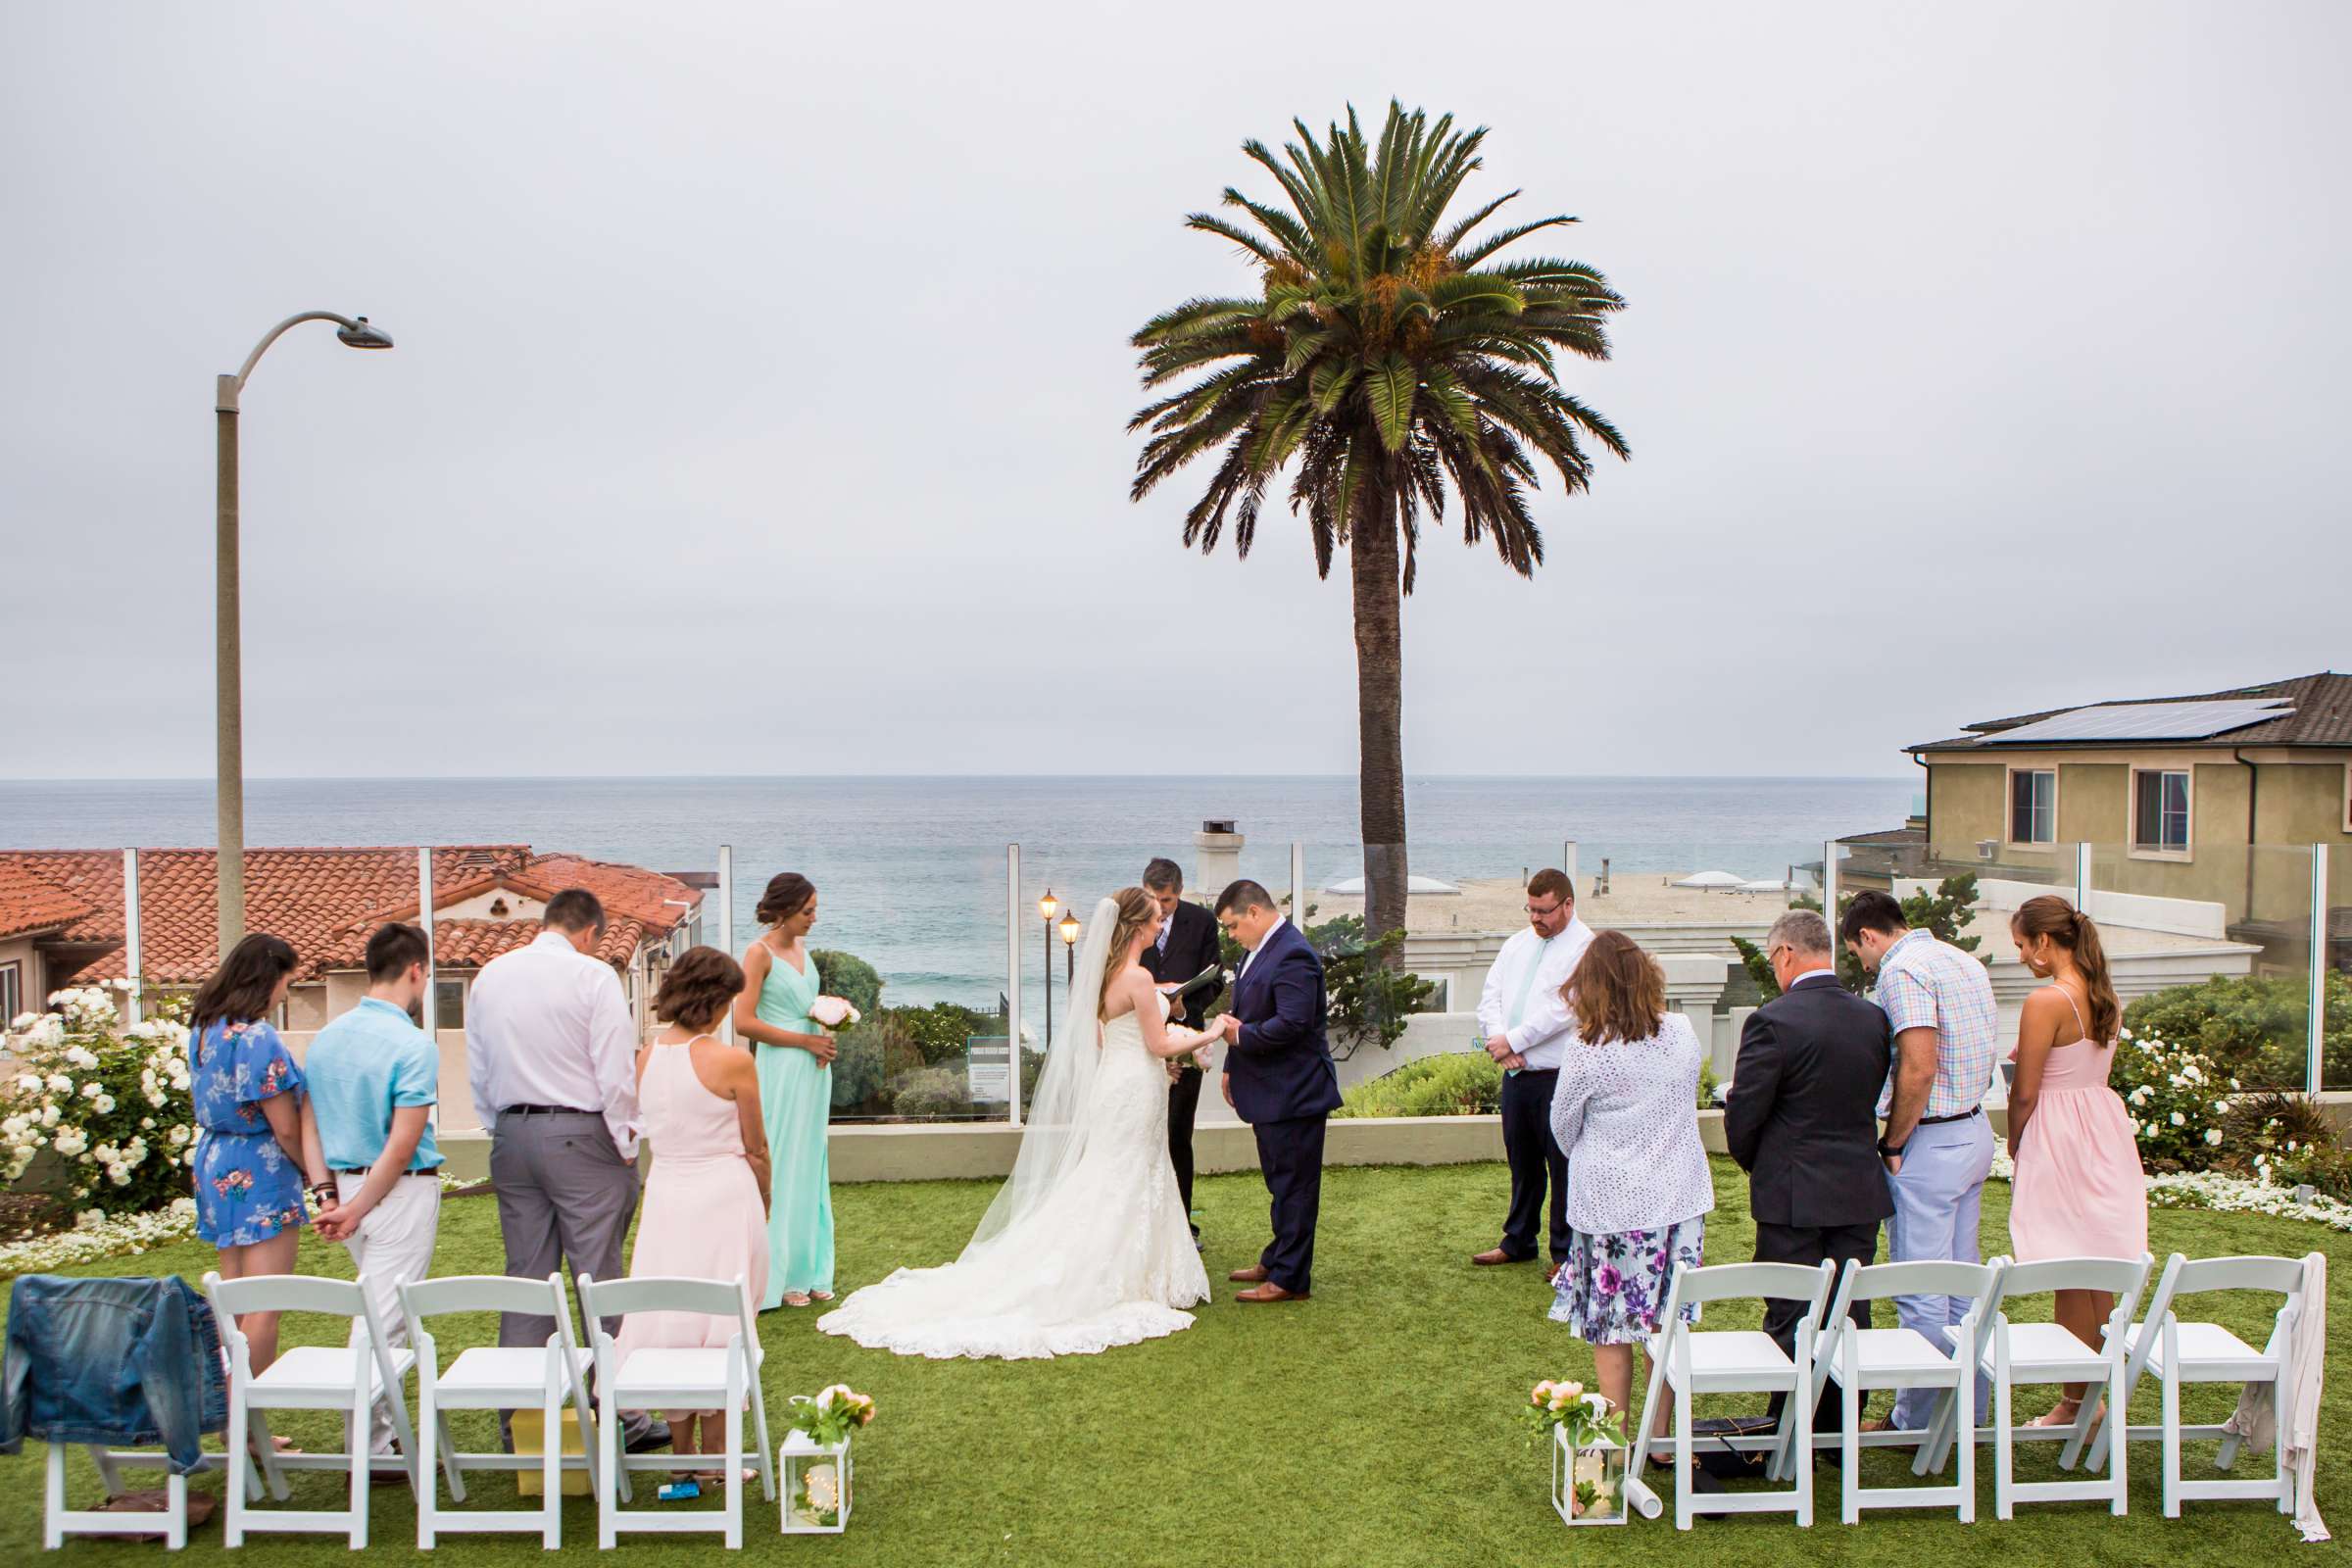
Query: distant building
{"points": [[2211, 797], [61, 918]]}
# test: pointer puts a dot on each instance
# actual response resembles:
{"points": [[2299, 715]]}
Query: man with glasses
{"points": [[1801, 1119], [1524, 1022]]}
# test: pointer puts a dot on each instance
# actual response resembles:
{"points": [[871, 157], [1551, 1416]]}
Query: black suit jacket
{"points": [[1191, 947], [1802, 1115]]}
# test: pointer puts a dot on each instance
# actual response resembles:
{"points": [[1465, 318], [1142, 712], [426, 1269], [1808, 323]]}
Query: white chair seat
{"points": [[656, 1371], [2209, 1354], [2046, 1352], [319, 1371], [1745, 1355], [486, 1369], [1892, 1351]]}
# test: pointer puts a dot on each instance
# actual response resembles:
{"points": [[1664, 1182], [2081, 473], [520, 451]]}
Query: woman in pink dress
{"points": [[705, 1204], [2079, 1190]]}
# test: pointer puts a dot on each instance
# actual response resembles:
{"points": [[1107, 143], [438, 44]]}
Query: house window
{"points": [[449, 1004], [12, 991], [2033, 806], [2160, 811]]}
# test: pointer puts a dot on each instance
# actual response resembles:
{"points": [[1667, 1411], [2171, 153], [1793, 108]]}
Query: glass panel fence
{"points": [[2211, 947]]}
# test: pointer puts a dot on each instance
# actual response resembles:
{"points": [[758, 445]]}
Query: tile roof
{"points": [[2321, 716], [324, 900]]}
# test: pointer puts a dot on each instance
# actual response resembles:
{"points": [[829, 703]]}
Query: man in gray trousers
{"points": [[552, 1054]]}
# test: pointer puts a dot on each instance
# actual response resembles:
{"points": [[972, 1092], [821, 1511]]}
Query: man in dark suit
{"points": [[1187, 945], [1278, 1077], [1802, 1120]]}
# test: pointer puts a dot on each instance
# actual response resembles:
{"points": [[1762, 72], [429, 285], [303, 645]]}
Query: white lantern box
{"points": [[817, 1485], [1588, 1479]]}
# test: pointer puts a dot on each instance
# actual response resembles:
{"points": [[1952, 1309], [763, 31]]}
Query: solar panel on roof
{"points": [[2147, 721]]}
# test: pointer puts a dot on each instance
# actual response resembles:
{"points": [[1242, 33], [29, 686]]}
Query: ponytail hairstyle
{"points": [[788, 894], [1137, 910], [2051, 915]]}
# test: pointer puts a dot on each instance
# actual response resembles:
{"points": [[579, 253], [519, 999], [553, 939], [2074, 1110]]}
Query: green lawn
{"points": [[1373, 1425]]}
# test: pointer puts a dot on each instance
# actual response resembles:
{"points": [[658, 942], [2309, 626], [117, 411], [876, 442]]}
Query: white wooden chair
{"points": [[490, 1377], [1693, 1362], [664, 1379], [2035, 1353], [308, 1377], [1861, 1359], [2181, 1353], [59, 1521]]}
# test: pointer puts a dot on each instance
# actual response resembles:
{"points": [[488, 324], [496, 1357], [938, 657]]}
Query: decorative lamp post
{"points": [[228, 778], [1070, 928], [1047, 908]]}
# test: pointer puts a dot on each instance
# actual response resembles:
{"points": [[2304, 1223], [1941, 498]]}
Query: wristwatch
{"points": [[1890, 1150]]}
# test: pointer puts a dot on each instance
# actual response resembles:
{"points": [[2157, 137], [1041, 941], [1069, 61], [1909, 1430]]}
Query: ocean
{"points": [[910, 871]]}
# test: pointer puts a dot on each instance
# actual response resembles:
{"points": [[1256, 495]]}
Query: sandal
{"points": [[2062, 1415], [820, 1295], [796, 1297], [719, 1478]]}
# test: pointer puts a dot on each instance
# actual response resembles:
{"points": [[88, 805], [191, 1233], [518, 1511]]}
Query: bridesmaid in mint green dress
{"points": [[792, 1055]]}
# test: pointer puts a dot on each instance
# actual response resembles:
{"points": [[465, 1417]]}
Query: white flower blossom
{"points": [[2179, 1120], [2213, 1137]]}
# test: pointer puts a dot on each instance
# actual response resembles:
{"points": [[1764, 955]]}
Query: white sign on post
{"points": [[988, 1069]]}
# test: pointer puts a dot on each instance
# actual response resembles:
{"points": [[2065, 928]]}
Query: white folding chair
{"points": [[308, 1377], [2031, 1353], [1690, 1362], [2207, 1352], [1861, 1359], [491, 1377], [657, 1378]]}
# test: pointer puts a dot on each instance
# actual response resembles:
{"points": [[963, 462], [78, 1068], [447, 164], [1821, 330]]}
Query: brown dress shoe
{"points": [[1255, 1274], [1494, 1255], [1270, 1291]]}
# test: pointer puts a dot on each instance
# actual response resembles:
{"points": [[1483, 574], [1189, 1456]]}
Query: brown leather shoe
{"points": [[1255, 1274], [1270, 1291], [1494, 1255]]}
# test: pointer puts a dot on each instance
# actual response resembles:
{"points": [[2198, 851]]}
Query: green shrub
{"points": [[1942, 914], [932, 1093], [2287, 1140], [2252, 1026], [1463, 1084], [872, 1058], [942, 1030], [2177, 1096], [1366, 995], [849, 977]]}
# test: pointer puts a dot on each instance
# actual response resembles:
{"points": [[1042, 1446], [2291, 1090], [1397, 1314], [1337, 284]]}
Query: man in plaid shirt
{"points": [[1938, 1145]]}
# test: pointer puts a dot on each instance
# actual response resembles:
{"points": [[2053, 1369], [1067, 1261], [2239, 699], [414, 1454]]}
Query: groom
{"points": [[1279, 1076]]}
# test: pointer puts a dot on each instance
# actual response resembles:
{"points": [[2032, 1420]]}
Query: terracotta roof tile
{"points": [[324, 900]]}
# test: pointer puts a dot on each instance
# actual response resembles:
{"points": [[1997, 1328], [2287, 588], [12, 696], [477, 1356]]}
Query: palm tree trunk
{"points": [[1379, 595]]}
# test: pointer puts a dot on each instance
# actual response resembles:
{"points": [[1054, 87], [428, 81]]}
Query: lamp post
{"points": [[1070, 928], [1046, 907], [228, 787]]}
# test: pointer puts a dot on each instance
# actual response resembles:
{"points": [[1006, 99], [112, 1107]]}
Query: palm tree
{"points": [[1391, 359]]}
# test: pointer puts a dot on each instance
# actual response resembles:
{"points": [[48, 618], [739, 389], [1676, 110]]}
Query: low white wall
{"points": [[2185, 918]]}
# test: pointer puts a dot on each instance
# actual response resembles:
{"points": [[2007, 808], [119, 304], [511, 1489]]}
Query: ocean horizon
{"points": [[911, 868]]}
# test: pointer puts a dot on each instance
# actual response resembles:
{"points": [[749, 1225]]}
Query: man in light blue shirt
{"points": [[373, 1078]]}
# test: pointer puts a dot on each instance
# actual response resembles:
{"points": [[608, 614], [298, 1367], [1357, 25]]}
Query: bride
{"points": [[1087, 1245]]}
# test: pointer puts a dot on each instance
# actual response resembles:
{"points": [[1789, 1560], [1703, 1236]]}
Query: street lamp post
{"points": [[228, 786], [1045, 908], [1069, 947]]}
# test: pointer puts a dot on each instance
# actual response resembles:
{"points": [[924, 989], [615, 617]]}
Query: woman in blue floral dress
{"points": [[256, 1139], [1625, 1111]]}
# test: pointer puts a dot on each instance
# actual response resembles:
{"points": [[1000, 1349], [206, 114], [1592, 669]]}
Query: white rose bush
{"points": [[2177, 1100], [110, 1100]]}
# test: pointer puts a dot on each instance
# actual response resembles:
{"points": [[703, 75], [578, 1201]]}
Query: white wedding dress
{"points": [[1087, 1246]]}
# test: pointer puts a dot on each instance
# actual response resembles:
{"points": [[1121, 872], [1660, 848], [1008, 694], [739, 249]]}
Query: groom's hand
{"points": [[1230, 1026], [1225, 1083]]}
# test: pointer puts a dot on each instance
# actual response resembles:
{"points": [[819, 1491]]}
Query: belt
{"points": [[1957, 1115], [345, 1170], [547, 1110]]}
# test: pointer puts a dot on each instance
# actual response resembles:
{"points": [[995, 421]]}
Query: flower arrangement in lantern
{"points": [[816, 1458], [1587, 1452]]}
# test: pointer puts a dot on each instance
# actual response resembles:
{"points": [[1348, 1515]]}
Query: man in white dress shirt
{"points": [[1526, 1024], [552, 1054]]}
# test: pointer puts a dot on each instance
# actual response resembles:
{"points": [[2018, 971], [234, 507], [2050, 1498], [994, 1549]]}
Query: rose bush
{"points": [[2177, 1100], [110, 1102]]}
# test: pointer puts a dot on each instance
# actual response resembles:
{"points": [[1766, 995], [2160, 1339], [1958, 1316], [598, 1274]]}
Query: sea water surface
{"points": [[911, 872]]}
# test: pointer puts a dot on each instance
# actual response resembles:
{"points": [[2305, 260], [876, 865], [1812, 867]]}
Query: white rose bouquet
{"points": [[833, 1013]]}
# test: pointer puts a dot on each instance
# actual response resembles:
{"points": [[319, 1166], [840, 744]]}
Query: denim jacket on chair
{"points": [[124, 1363]]}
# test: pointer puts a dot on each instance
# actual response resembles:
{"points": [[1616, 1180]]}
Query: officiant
{"points": [[1186, 946], [1526, 1024]]}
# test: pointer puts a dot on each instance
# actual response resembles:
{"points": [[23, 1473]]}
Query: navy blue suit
{"points": [[1285, 1087]]}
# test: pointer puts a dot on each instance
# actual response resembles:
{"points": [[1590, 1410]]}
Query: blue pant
{"points": [[1936, 1197]]}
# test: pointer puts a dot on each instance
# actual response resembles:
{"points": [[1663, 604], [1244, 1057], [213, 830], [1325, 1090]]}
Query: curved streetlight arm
{"points": [[231, 385]]}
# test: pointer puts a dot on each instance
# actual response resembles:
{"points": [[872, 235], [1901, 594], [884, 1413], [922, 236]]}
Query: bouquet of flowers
{"points": [[828, 1419], [833, 1013], [1584, 1418]]}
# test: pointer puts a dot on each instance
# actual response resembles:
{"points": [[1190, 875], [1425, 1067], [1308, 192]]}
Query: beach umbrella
{"points": [[1419, 886], [1710, 881]]}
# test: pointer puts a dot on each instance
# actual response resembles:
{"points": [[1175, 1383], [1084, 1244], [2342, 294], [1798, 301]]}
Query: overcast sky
{"points": [[762, 379]]}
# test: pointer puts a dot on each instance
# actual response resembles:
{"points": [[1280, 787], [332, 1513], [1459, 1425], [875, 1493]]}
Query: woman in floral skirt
{"points": [[255, 1136], [1625, 1113]]}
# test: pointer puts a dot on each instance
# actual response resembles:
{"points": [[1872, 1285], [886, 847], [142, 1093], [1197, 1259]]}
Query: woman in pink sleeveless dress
{"points": [[705, 1204], [2078, 1191]]}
